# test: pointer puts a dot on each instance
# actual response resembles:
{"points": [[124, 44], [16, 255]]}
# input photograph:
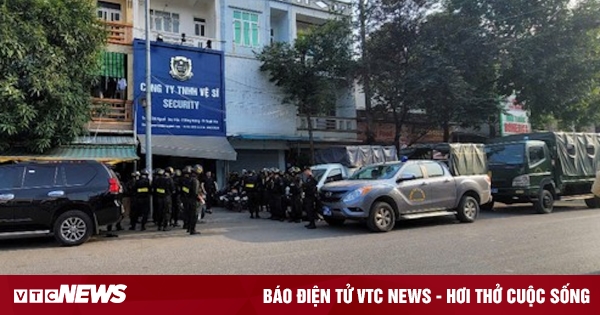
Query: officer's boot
{"points": [[311, 225]]}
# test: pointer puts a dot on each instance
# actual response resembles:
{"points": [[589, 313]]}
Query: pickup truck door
{"points": [[441, 188], [411, 191]]}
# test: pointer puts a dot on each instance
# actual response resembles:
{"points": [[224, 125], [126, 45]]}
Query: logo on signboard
{"points": [[181, 68]]}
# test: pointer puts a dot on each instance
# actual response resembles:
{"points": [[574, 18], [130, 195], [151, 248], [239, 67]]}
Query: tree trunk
{"points": [[311, 140], [366, 71], [398, 131], [446, 131]]}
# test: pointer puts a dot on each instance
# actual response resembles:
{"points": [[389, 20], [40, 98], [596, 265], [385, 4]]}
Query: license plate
{"points": [[326, 211], [494, 190]]}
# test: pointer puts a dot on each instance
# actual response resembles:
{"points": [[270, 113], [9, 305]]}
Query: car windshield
{"points": [[506, 153], [385, 171], [318, 173]]}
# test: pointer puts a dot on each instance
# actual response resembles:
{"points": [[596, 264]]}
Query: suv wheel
{"points": [[73, 228], [382, 217], [468, 209]]}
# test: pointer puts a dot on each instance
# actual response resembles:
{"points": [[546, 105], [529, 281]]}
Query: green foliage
{"points": [[455, 58], [49, 53], [312, 68]]}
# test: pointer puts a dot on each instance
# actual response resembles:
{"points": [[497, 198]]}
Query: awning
{"points": [[110, 150], [214, 148], [106, 154]]}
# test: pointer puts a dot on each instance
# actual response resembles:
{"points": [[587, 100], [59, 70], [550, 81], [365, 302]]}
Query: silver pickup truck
{"points": [[382, 194]]}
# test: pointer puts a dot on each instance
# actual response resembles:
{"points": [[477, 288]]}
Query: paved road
{"points": [[507, 241]]}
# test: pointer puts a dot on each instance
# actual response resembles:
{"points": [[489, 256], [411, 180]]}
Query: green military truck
{"points": [[543, 167]]}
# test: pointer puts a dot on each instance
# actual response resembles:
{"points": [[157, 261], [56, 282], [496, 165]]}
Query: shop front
{"points": [[188, 109]]}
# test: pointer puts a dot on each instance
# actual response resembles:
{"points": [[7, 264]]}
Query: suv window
{"points": [[536, 154], [39, 176], [8, 177], [413, 170], [78, 174], [434, 170]]}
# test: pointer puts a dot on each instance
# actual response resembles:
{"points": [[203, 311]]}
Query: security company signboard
{"points": [[187, 90], [514, 119]]}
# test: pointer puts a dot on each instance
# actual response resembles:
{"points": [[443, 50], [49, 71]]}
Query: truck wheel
{"points": [[73, 228], [468, 209], [593, 203], [334, 221], [488, 206], [382, 217], [545, 203]]}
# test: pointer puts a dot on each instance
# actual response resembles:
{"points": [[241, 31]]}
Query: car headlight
{"points": [[521, 181], [356, 194]]}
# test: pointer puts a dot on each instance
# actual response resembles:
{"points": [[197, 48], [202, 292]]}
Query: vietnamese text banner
{"points": [[300, 294]]}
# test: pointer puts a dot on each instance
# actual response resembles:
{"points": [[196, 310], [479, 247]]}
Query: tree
{"points": [[49, 52], [548, 53], [394, 59], [459, 70], [312, 69], [367, 16]]}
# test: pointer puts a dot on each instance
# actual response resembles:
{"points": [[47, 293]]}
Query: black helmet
{"points": [[145, 172], [187, 170], [198, 169], [169, 170], [160, 172]]}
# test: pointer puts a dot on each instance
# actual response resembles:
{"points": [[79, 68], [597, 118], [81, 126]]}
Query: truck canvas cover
{"points": [[356, 156], [577, 152], [462, 158]]}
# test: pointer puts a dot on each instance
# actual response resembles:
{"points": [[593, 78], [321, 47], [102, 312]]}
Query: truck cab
{"points": [[518, 170], [540, 168]]}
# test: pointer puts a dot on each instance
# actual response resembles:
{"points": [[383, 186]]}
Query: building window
{"points": [[110, 12], [162, 21], [245, 29], [200, 27]]}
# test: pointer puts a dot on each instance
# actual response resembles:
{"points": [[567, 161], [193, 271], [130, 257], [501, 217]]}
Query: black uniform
{"points": [[251, 187], [176, 201], [310, 197], [296, 199], [277, 191], [162, 191], [142, 190], [190, 188]]}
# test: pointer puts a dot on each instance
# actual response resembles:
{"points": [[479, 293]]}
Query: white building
{"points": [[258, 126]]}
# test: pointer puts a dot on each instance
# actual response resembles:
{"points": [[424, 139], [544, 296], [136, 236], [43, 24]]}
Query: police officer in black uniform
{"points": [[142, 190], [309, 186], [162, 190], [277, 193], [190, 189], [295, 195], [252, 189], [176, 204]]}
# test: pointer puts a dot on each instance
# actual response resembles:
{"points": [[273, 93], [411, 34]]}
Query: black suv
{"points": [[70, 199]]}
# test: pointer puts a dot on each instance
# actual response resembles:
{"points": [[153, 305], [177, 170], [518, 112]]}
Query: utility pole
{"points": [[148, 95], [366, 70], [148, 103]]}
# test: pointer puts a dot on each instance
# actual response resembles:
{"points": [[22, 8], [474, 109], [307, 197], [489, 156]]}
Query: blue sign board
{"points": [[187, 89]]}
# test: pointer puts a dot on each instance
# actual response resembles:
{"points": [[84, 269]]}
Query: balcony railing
{"points": [[190, 40], [333, 124], [112, 110], [119, 33]]}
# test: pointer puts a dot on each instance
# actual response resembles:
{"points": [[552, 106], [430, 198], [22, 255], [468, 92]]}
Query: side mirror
{"points": [[405, 177]]}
